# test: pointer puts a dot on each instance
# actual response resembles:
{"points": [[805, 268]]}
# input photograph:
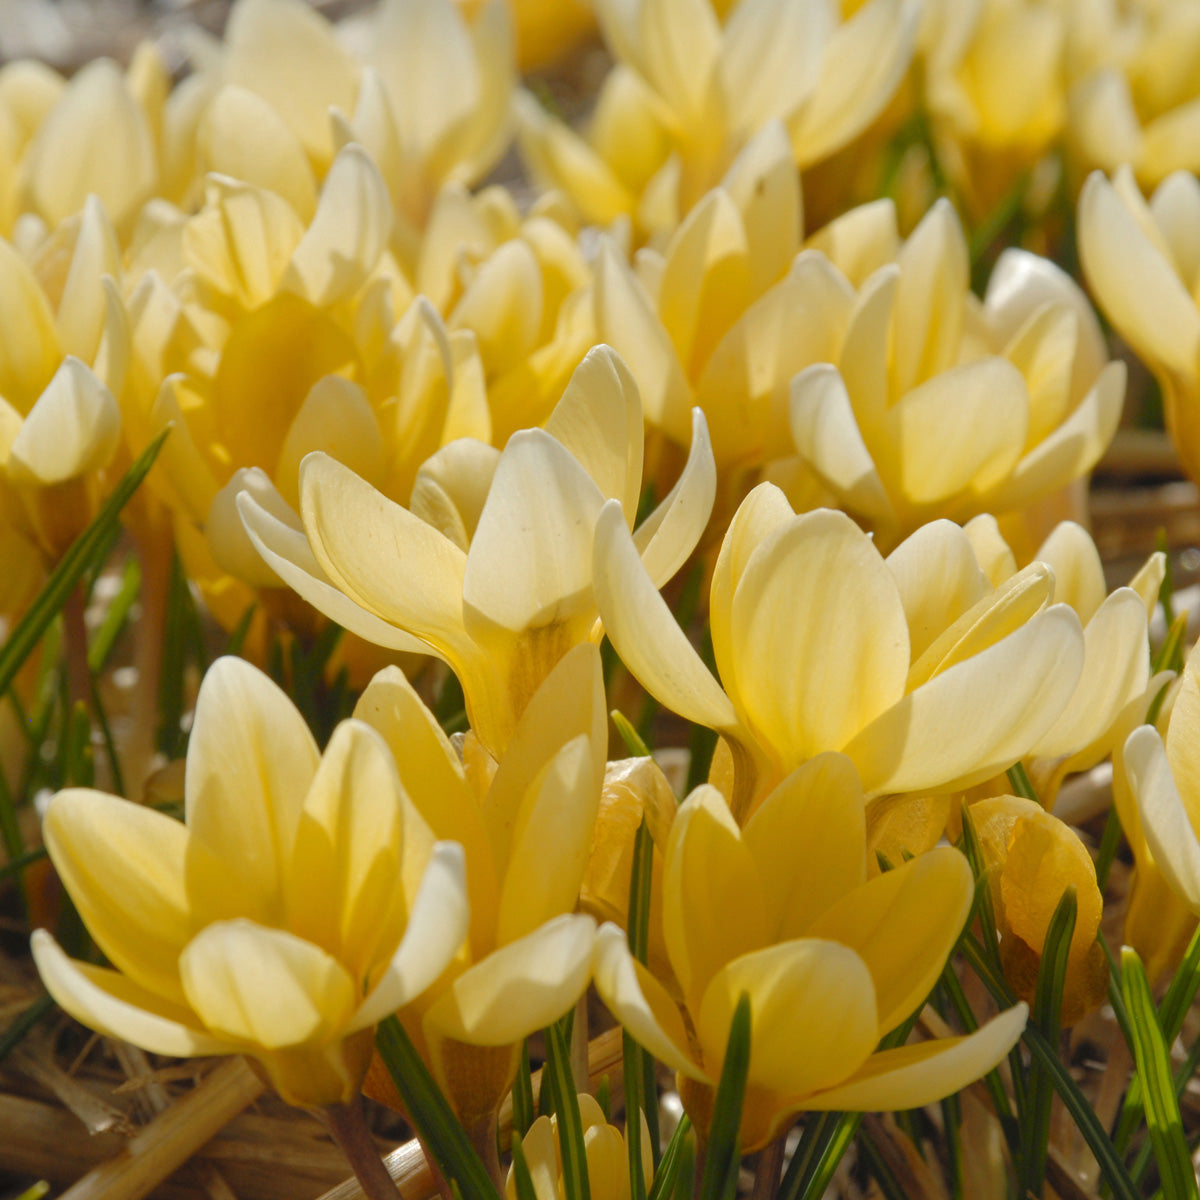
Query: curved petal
{"points": [[912, 1076], [105, 1000], [287, 552], [1166, 817], [811, 684], [437, 924], [641, 1003], [977, 717], [123, 866], [808, 842], [519, 988], [644, 632], [812, 1008], [903, 924], [1078, 571], [250, 763]]}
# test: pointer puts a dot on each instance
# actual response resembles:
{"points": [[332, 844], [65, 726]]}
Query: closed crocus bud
{"points": [[675, 117], [490, 568], [604, 1145], [920, 671], [525, 824], [782, 911], [1139, 265], [302, 899], [934, 407], [1032, 858]]}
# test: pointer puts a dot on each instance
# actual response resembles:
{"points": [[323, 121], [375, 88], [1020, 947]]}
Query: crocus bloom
{"points": [[491, 566], [303, 900], [937, 406], [1140, 266], [782, 910], [1031, 858], [924, 688], [688, 92], [525, 825], [604, 1145]]}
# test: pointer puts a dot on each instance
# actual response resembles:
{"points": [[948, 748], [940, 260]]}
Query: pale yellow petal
{"points": [[265, 986], [29, 348], [903, 924], [503, 306], [123, 866], [520, 988], [107, 1001], [1078, 572], [912, 1076], [807, 839]]}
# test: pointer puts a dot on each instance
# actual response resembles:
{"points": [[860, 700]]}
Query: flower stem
{"points": [[347, 1123]]}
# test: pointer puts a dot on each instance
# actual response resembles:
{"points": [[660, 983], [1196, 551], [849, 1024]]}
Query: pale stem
{"points": [[79, 678], [768, 1169], [155, 550], [348, 1125], [482, 1135]]}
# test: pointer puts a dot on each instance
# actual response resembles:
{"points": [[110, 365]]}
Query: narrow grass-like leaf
{"points": [[557, 1072], [39, 1189], [12, 1037], [15, 866], [110, 745], [952, 1124], [521, 1175], [1171, 653], [522, 1094], [237, 639], [1110, 843], [673, 1159], [877, 1165], [102, 641], [603, 1096], [1075, 1102], [1166, 589], [71, 568], [629, 735], [1022, 785], [1151, 1054], [723, 1156], [641, 1090], [80, 766], [431, 1113], [1047, 1015], [826, 1137]]}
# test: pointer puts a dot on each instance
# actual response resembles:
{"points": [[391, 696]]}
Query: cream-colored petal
{"points": [[250, 762], [808, 842], [530, 563], [640, 1002], [903, 924], [667, 537], [992, 551], [381, 556], [241, 136], [503, 306], [1166, 814], [626, 319], [1116, 668], [265, 986], [1175, 206], [350, 231], [29, 348], [863, 63], [912, 1076], [1136, 286], [83, 307], [812, 1015], [939, 579], [1183, 730], [452, 487], [828, 438], [679, 43], [520, 988], [599, 420], [231, 547], [644, 633], [771, 55], [437, 924], [550, 843], [1078, 572], [811, 684], [72, 429], [342, 873], [977, 717], [860, 241], [105, 1000], [286, 551], [123, 866]]}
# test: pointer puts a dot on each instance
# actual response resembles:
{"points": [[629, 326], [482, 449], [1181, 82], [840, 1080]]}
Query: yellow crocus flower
{"points": [[925, 688], [525, 824], [934, 405], [490, 568], [604, 1145], [301, 902], [1138, 261], [1032, 858], [689, 91], [782, 911]]}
